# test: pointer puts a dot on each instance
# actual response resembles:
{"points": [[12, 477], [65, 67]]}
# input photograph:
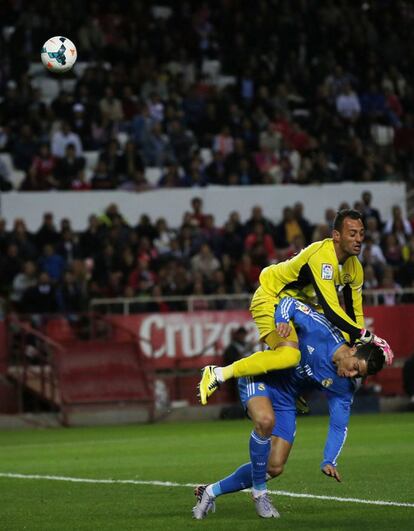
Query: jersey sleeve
{"points": [[353, 297], [290, 309], [339, 412], [328, 298]]}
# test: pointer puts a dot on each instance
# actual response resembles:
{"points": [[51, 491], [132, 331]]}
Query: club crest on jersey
{"points": [[302, 307], [261, 387], [327, 272], [327, 382], [346, 279]]}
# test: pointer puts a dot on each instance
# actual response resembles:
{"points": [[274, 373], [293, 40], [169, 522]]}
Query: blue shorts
{"points": [[283, 405]]}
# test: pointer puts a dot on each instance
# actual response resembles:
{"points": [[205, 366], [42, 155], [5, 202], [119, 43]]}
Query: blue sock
{"points": [[240, 479], [259, 453]]}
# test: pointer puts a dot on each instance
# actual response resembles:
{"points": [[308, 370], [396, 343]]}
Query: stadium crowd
{"points": [[278, 91], [307, 91], [57, 269]]}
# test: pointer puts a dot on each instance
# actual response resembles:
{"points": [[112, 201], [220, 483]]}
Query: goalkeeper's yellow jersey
{"points": [[314, 276]]}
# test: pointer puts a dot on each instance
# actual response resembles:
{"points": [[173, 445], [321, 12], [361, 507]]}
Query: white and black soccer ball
{"points": [[58, 54]]}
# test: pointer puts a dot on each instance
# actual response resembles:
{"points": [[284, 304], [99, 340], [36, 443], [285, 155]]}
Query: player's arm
{"points": [[326, 292], [353, 296], [339, 412], [290, 309]]}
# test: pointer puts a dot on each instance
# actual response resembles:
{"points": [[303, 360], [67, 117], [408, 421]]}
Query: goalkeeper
{"points": [[328, 364], [314, 276]]}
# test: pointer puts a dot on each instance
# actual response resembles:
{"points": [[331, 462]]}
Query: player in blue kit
{"points": [[327, 363]]}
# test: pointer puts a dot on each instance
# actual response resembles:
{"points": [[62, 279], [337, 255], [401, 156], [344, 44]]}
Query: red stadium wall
{"points": [[187, 340]]}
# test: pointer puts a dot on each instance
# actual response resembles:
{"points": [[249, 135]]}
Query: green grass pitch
{"points": [[377, 463]]}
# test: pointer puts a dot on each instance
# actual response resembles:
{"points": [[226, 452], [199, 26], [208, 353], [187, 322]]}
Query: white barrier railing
{"points": [[128, 305]]}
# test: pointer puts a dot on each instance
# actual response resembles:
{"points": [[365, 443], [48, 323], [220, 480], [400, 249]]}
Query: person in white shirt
{"points": [[347, 104], [62, 138]]}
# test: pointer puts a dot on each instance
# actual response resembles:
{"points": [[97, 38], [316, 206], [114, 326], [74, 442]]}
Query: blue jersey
{"points": [[318, 341]]}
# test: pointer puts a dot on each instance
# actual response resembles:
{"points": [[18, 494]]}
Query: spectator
{"points": [[135, 182], [10, 266], [304, 224], [91, 240], [131, 162], [182, 142], [156, 148], [101, 178], [392, 250], [113, 158], [257, 216], [47, 233], [372, 230], [69, 295], [388, 282], [368, 211], [24, 148], [4, 236], [68, 168], [41, 298], [347, 104], [68, 248], [62, 138], [81, 125], [371, 253], [197, 218], [288, 229], [216, 171], [41, 175], [237, 348], [27, 278], [257, 236], [111, 107], [224, 142], [204, 261], [164, 237], [398, 225], [23, 239], [5, 184], [52, 263]]}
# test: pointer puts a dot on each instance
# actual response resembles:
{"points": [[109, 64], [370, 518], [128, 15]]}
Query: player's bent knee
{"points": [[275, 470], [264, 424]]}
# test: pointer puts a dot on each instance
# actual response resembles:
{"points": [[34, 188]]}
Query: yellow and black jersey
{"points": [[314, 275]]}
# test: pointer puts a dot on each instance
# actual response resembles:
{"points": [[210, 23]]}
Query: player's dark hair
{"points": [[345, 213], [373, 355]]}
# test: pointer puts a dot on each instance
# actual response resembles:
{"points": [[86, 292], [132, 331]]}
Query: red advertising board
{"points": [[184, 340]]}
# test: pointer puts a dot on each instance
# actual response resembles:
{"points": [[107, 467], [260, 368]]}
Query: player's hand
{"points": [[365, 336], [331, 471], [283, 329], [388, 353]]}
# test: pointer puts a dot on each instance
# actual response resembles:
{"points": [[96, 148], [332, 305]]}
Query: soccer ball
{"points": [[58, 54]]}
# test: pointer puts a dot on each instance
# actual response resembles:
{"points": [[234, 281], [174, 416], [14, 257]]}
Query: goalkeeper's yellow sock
{"points": [[264, 361]]}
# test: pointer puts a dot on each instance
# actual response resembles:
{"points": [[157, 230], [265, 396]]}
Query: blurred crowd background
{"points": [[277, 92], [309, 91]]}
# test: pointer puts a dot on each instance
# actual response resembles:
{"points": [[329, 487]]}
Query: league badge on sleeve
{"points": [[327, 272]]}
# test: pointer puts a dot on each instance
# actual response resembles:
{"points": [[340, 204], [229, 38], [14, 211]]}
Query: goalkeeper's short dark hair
{"points": [[373, 355], [346, 213]]}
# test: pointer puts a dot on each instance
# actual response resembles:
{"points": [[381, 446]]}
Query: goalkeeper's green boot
{"points": [[208, 383]]}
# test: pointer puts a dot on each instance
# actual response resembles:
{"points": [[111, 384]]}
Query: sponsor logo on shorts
{"points": [[327, 272]]}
